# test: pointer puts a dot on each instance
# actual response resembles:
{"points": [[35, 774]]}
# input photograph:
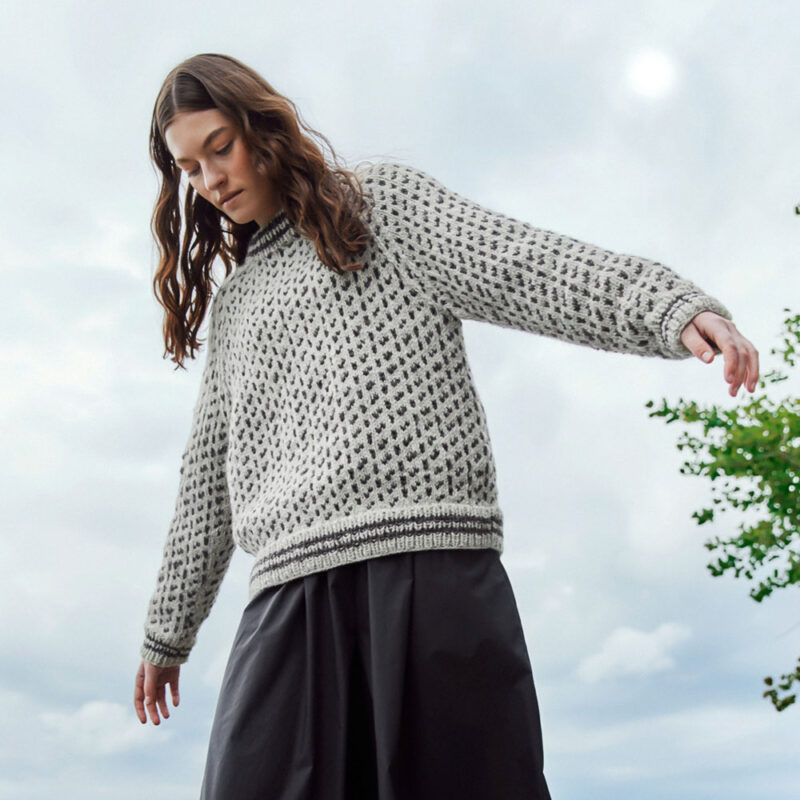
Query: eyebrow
{"points": [[205, 143]]}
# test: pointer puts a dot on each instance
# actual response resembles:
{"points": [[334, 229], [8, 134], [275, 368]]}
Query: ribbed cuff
{"points": [[679, 314], [161, 654]]}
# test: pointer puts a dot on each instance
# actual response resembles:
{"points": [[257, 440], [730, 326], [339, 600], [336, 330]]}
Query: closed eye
{"points": [[225, 150]]}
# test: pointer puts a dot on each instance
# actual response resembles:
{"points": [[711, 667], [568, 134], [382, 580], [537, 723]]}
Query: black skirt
{"points": [[403, 677]]}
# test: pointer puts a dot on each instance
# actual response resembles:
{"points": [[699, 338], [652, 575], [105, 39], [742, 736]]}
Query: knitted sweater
{"points": [[337, 419]]}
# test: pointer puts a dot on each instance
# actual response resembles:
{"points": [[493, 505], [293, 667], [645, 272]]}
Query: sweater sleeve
{"points": [[483, 265], [199, 543]]}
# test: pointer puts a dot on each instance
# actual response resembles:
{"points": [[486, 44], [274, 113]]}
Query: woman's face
{"points": [[218, 164]]}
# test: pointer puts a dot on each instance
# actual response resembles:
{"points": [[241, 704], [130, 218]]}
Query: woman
{"points": [[338, 438]]}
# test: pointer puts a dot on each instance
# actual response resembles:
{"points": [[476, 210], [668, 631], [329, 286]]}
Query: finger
{"points": [[150, 705], [138, 695], [737, 353], [749, 368], [173, 687], [745, 379], [161, 699], [150, 695], [733, 373], [698, 344], [740, 364], [753, 367], [734, 360]]}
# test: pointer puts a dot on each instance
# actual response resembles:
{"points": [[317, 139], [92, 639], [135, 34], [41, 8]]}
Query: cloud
{"points": [[98, 728], [215, 670], [108, 246], [628, 651], [633, 757]]}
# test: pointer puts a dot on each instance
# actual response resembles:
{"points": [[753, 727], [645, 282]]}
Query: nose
{"points": [[213, 177]]}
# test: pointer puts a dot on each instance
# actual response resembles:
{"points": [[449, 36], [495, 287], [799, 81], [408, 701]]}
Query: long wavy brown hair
{"points": [[324, 202]]}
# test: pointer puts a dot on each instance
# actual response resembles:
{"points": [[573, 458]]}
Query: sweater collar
{"points": [[273, 236]]}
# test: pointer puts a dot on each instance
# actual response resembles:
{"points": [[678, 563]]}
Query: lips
{"points": [[230, 196]]}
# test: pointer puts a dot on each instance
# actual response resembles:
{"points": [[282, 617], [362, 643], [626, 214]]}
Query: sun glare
{"points": [[651, 73]]}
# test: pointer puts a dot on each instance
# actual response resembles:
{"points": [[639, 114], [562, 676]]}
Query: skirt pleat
{"points": [[402, 677]]}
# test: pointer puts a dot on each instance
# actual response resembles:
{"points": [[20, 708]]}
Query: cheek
{"points": [[246, 166], [253, 167], [200, 189]]}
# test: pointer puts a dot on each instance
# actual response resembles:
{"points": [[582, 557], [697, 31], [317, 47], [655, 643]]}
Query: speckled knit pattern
{"points": [[337, 419]]}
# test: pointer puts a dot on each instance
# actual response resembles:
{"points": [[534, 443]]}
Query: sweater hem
{"points": [[375, 533]]}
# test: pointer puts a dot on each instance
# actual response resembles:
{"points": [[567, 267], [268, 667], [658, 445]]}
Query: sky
{"points": [[666, 130]]}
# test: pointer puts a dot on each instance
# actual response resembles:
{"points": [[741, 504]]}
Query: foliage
{"points": [[754, 450]]}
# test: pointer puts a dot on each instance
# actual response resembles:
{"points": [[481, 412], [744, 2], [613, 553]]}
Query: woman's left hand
{"points": [[709, 333]]}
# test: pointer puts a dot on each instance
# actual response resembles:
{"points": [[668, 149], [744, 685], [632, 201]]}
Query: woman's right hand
{"points": [[150, 693]]}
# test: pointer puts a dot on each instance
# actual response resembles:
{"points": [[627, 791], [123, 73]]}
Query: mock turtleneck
{"points": [[272, 236]]}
